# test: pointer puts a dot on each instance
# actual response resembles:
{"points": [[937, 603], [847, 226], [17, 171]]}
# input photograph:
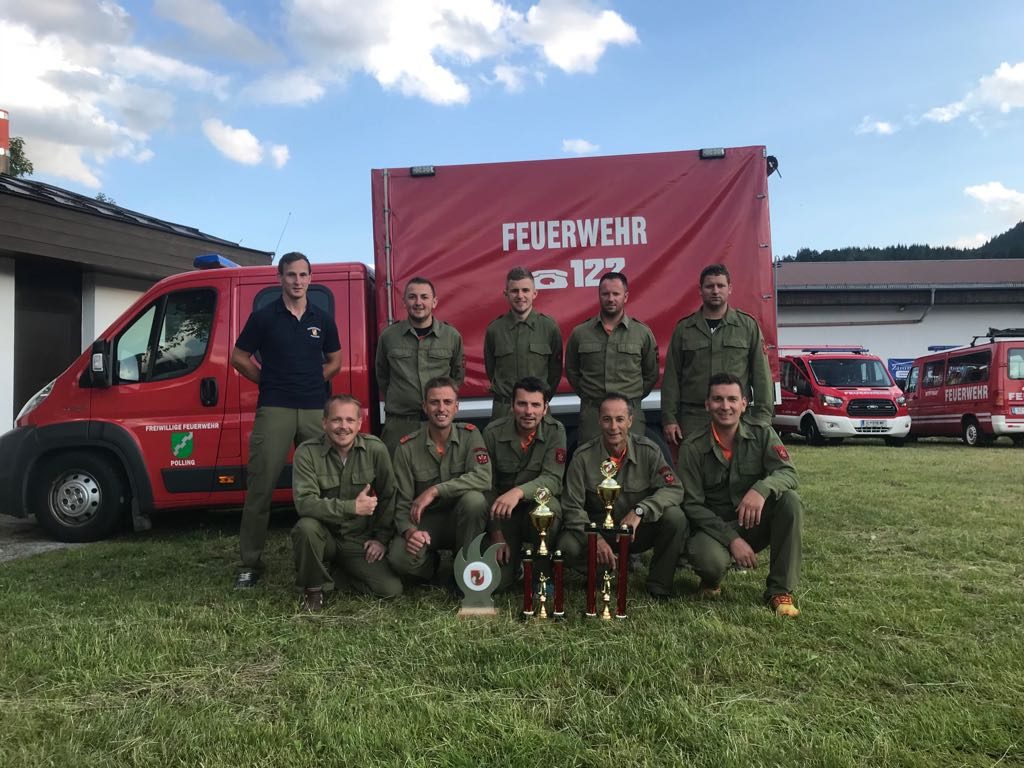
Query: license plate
{"points": [[1017, 410], [872, 422]]}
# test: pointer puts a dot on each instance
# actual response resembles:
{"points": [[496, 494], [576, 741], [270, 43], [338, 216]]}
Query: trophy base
{"points": [[558, 615], [621, 616], [491, 611]]}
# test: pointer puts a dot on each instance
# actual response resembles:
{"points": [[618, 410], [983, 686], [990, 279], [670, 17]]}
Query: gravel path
{"points": [[21, 537]]}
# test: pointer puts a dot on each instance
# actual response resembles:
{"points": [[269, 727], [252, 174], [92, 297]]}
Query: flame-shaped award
{"points": [[541, 517], [609, 491]]}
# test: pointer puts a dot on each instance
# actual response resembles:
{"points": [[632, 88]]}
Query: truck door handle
{"points": [[208, 391]]}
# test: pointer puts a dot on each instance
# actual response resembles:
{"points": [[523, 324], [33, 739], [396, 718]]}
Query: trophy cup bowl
{"points": [[542, 517], [609, 491]]}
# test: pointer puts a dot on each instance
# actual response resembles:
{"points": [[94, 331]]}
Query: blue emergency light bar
{"points": [[826, 348], [212, 261]]}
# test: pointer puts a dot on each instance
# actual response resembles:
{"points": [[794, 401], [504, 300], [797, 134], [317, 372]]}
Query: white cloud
{"points": [[83, 94], [141, 63], [579, 146], [423, 48], [279, 154], [1003, 90], [285, 88], [994, 195], [971, 242], [572, 34], [242, 146], [882, 128], [210, 22], [236, 144], [511, 77], [95, 22]]}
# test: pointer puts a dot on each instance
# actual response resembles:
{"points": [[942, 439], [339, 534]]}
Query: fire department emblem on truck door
{"points": [[181, 445]]}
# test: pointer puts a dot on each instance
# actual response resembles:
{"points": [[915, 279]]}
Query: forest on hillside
{"points": [[1009, 245]]}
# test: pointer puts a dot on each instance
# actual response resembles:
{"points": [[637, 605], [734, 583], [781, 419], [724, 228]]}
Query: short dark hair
{"points": [[345, 400], [715, 270], [613, 276], [617, 396], [718, 379], [441, 381], [518, 273], [289, 258], [418, 280], [531, 384]]}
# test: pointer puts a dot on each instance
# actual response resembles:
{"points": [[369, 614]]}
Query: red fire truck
{"points": [[831, 392], [153, 417], [974, 392]]}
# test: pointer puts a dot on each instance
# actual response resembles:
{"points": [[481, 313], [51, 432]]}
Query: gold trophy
{"points": [[541, 517], [609, 490], [606, 596], [542, 613]]}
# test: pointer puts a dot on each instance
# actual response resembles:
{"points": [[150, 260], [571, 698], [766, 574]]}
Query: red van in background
{"points": [[832, 393], [974, 392]]}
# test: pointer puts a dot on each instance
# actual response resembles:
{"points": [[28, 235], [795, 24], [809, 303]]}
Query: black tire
{"points": [[78, 496], [811, 432], [895, 442], [972, 434], [1018, 442]]}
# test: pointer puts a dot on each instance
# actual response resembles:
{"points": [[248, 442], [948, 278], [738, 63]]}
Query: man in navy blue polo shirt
{"points": [[299, 350]]}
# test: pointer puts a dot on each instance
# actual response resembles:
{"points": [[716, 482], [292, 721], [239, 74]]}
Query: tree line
{"points": [[1009, 245]]}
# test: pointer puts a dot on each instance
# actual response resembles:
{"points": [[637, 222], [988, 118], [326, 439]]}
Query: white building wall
{"points": [[888, 332], [104, 298], [6, 344]]}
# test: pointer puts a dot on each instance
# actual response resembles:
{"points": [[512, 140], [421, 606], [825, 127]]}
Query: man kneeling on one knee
{"points": [[442, 472], [740, 497], [648, 503], [344, 492]]}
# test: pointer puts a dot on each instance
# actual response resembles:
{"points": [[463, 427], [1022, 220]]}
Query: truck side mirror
{"points": [[99, 366]]}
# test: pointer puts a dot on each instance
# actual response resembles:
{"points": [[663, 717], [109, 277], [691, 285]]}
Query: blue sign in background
{"points": [[899, 367]]}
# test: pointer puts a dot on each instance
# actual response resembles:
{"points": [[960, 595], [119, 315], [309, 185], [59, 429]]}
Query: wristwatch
{"points": [[639, 511]]}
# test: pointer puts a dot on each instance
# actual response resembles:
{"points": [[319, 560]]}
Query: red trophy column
{"points": [[622, 582]]}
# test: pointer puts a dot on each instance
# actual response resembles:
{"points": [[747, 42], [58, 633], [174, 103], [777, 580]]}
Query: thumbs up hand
{"points": [[365, 503]]}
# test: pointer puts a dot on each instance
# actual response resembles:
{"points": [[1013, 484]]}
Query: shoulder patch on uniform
{"points": [[468, 427], [781, 450], [406, 439], [482, 456], [666, 474], [560, 455]]}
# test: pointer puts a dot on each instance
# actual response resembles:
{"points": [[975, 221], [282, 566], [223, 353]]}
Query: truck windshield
{"points": [[850, 373]]}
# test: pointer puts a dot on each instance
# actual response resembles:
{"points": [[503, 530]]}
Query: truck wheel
{"points": [[77, 496], [895, 442], [972, 434], [1018, 442], [810, 431]]}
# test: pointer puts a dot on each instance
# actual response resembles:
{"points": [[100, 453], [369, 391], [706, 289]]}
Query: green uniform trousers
{"points": [[590, 426], [274, 433], [665, 536], [518, 529], [315, 547], [451, 523], [779, 529], [397, 427]]}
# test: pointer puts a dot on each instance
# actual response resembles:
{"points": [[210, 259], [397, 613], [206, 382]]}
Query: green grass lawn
{"points": [[909, 650]]}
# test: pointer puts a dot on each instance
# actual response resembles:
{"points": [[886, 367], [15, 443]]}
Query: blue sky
{"points": [[894, 122]]}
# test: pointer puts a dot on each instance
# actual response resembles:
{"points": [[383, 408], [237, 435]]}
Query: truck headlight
{"points": [[34, 401], [832, 401]]}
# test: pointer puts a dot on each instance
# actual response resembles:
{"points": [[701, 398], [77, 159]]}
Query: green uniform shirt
{"points": [[405, 363], [325, 489], [516, 348], [542, 465], [695, 355], [465, 466], [714, 486], [626, 360], [645, 478]]}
